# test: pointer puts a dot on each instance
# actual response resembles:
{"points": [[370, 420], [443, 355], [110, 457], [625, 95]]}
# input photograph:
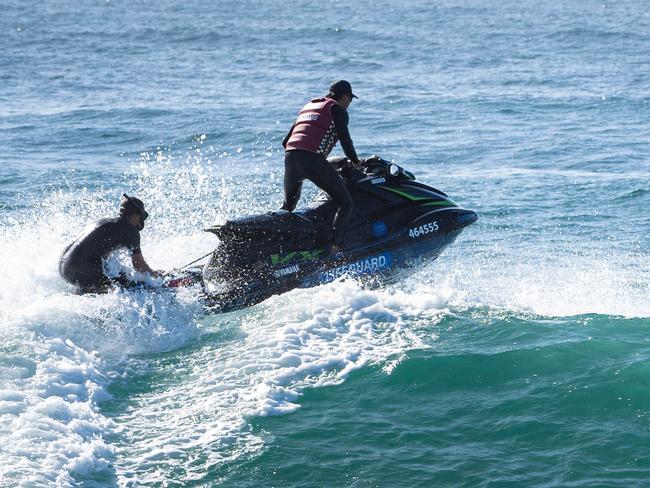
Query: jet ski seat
{"points": [[278, 223]]}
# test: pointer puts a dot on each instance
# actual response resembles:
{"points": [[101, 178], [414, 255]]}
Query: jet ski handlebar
{"points": [[373, 165]]}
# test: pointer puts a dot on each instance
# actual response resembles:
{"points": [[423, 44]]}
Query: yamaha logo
{"points": [[286, 271]]}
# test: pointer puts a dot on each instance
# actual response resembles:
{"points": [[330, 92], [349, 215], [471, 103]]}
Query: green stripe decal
{"points": [[442, 203], [404, 194], [439, 203]]}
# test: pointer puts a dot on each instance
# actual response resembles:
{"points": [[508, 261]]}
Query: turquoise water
{"points": [[519, 358]]}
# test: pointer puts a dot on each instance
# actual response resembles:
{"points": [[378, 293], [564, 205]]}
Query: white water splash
{"points": [[305, 338]]}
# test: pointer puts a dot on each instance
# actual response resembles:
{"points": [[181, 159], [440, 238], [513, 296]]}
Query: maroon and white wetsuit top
{"points": [[314, 129]]}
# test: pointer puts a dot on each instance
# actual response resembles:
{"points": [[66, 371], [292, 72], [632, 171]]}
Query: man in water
{"points": [[320, 124], [81, 263]]}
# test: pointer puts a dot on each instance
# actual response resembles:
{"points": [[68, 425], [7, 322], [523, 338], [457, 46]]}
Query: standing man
{"points": [[81, 263], [320, 124]]}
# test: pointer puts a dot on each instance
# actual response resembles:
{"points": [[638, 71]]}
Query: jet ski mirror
{"points": [[393, 169]]}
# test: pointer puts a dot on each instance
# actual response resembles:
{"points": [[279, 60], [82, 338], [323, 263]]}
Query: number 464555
{"points": [[423, 229]]}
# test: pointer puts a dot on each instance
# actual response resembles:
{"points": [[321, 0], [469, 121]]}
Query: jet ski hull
{"points": [[383, 261], [398, 226]]}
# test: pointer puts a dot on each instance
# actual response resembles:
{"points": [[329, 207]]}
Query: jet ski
{"points": [[398, 226]]}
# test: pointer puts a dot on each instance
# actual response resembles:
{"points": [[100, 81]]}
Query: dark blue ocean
{"points": [[520, 358]]}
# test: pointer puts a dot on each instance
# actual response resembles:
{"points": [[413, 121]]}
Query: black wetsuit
{"points": [[300, 165], [81, 262]]}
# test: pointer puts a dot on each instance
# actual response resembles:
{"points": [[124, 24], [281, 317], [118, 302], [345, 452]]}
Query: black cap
{"points": [[134, 204], [342, 87]]}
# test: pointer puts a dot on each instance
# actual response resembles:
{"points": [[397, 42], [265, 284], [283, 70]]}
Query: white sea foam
{"points": [[50, 425], [305, 338], [53, 430], [560, 284]]}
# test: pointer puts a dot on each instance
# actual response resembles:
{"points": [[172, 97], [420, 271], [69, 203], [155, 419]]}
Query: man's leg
{"points": [[87, 279], [97, 283], [326, 178], [292, 180]]}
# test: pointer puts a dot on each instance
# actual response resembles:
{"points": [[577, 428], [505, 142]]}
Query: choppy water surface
{"points": [[519, 358]]}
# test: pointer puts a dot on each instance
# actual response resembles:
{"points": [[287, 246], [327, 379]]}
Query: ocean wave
{"points": [[303, 339]]}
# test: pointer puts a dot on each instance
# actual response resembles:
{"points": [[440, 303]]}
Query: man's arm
{"points": [[286, 138], [341, 119], [139, 264]]}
